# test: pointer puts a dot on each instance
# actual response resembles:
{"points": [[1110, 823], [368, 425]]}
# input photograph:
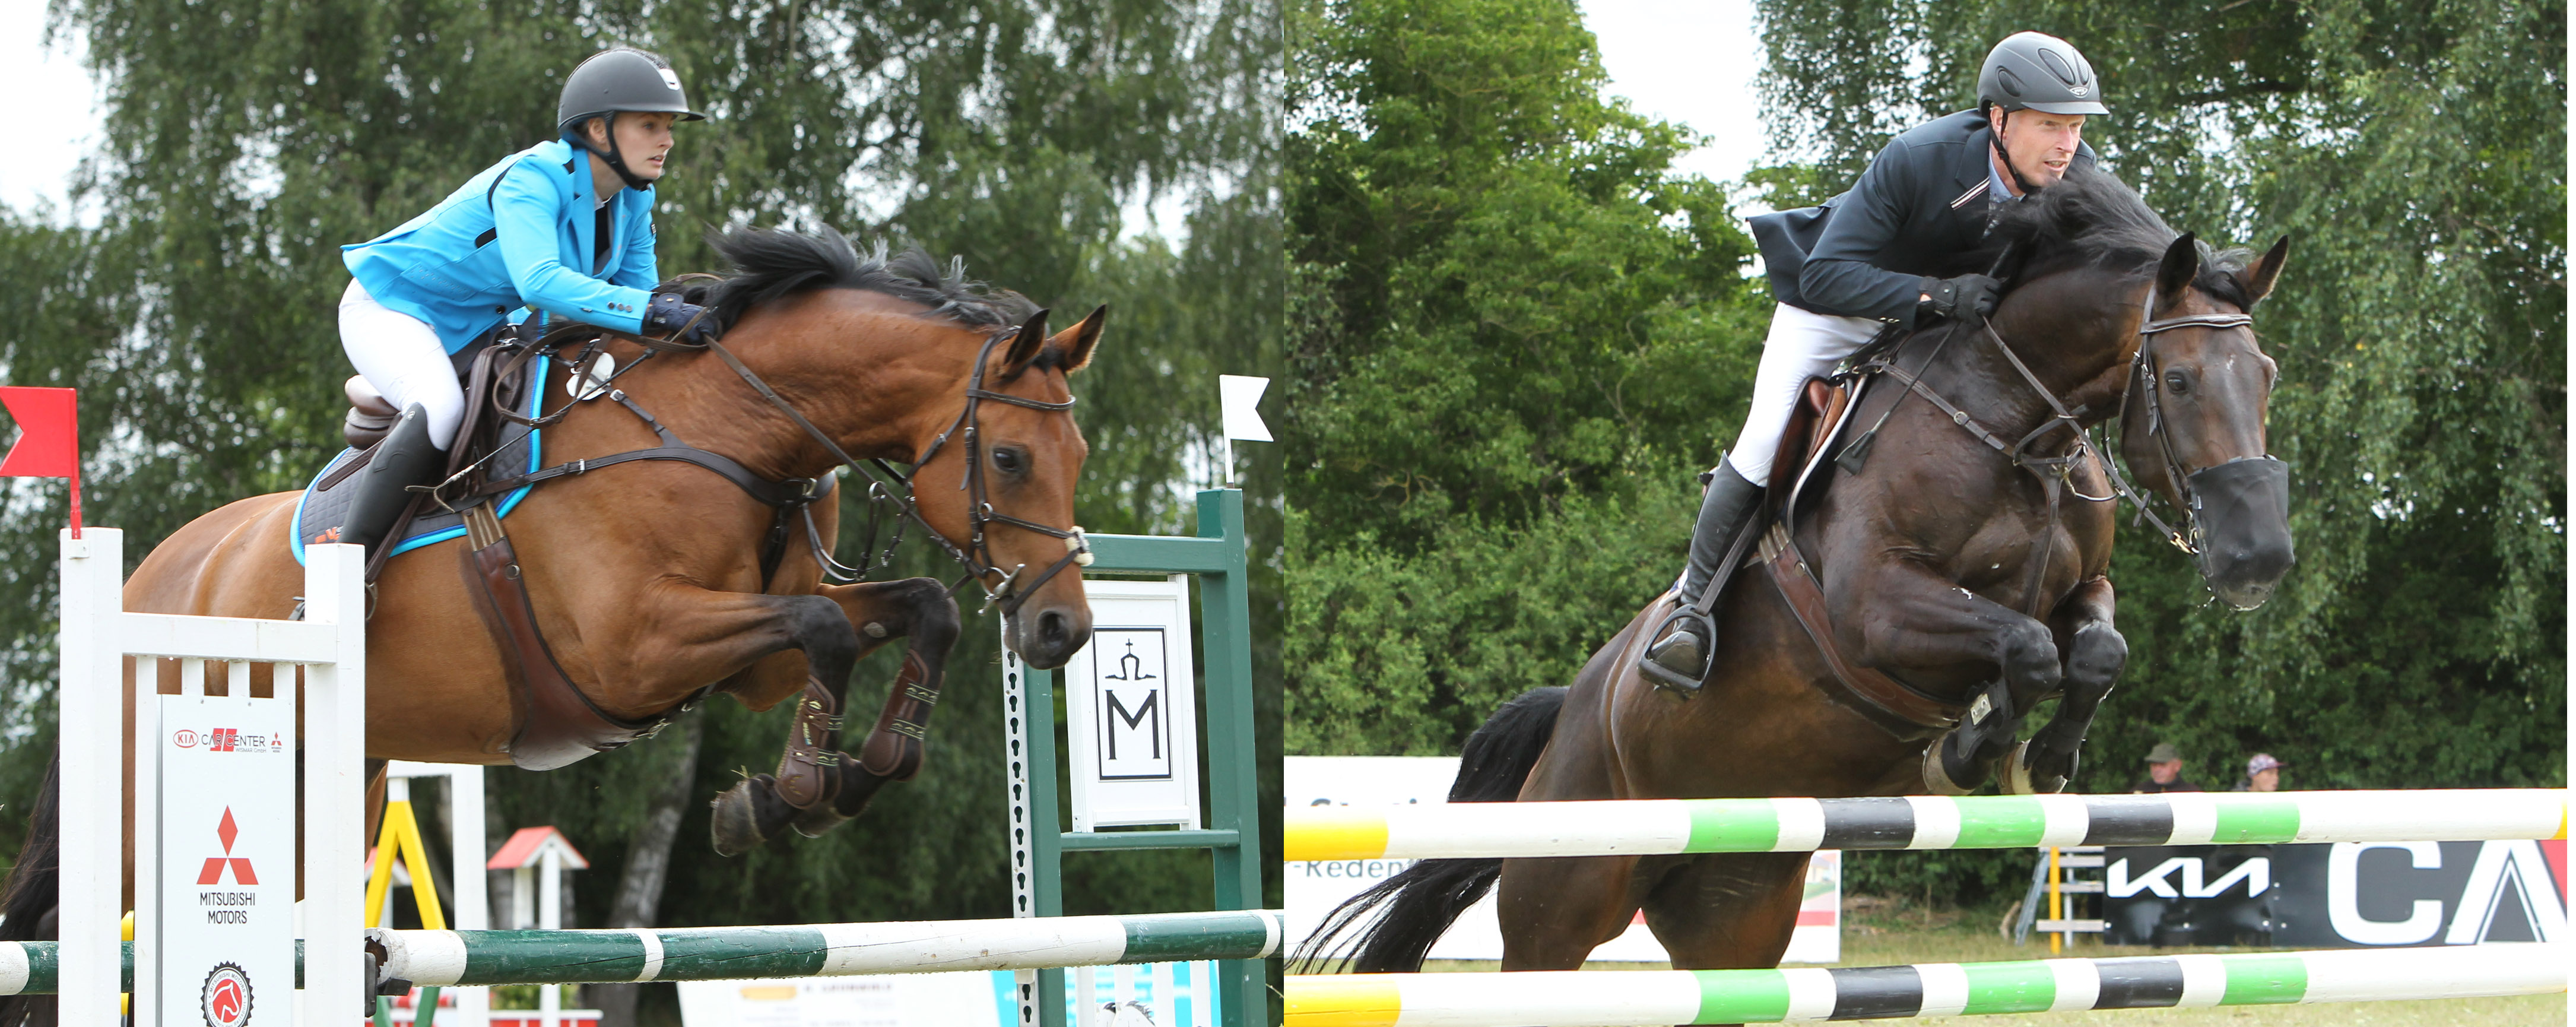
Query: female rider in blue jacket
{"points": [[562, 229]]}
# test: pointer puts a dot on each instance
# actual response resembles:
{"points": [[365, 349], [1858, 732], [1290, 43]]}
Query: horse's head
{"points": [[999, 483], [2192, 419]]}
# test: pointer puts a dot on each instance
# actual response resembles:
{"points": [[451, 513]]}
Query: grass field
{"points": [[1877, 932]]}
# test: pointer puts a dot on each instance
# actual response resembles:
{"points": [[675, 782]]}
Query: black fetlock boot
{"points": [[1679, 658], [405, 458]]}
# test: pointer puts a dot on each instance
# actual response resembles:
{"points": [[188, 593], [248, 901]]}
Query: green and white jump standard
{"points": [[1650, 827], [1616, 998], [450, 958]]}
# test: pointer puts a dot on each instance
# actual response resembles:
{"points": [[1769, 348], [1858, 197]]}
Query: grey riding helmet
{"points": [[2040, 72], [620, 80]]}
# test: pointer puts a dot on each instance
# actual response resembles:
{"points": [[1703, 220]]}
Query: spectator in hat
{"points": [[2164, 772], [2262, 774]]}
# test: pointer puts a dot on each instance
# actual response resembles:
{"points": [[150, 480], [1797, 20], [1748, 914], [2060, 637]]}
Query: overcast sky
{"points": [[1691, 61]]}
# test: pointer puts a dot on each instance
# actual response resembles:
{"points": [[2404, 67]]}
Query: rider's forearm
{"points": [[1857, 289]]}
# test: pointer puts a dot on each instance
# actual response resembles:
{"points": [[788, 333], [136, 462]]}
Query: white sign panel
{"points": [[1140, 995], [1131, 708], [1314, 887], [223, 921]]}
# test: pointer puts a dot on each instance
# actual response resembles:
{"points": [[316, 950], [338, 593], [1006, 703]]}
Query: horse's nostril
{"points": [[1054, 628]]}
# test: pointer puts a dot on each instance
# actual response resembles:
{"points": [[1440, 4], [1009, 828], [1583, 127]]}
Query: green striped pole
{"points": [[1643, 827], [446, 958], [1619, 998]]}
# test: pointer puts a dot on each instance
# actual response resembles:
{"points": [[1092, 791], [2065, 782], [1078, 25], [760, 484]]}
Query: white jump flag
{"points": [[1239, 397]]}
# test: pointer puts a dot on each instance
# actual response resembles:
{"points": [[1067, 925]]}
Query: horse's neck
{"points": [[873, 397], [2075, 337]]}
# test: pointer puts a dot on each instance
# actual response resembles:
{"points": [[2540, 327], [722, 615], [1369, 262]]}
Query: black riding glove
{"points": [[667, 315], [1965, 298]]}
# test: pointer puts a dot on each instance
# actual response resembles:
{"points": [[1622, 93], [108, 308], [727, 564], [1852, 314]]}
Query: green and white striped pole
{"points": [[1619, 998], [449, 958], [1654, 827]]}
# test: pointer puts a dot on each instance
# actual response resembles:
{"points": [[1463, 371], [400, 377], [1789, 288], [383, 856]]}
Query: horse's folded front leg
{"points": [[2095, 655], [1916, 625], [756, 810], [920, 611]]}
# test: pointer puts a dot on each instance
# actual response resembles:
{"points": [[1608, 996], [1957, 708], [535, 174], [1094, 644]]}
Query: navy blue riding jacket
{"points": [[1867, 252]]}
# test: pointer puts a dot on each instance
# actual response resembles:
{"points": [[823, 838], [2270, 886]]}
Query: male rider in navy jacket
{"points": [[1863, 260]]}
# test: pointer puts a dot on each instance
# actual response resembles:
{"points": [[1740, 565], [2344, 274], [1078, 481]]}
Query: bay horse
{"points": [[1963, 568], [646, 577]]}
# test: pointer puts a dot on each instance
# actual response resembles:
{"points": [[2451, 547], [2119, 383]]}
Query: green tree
{"points": [[246, 142], [1518, 334]]}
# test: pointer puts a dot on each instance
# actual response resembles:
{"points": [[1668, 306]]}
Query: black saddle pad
{"points": [[325, 503]]}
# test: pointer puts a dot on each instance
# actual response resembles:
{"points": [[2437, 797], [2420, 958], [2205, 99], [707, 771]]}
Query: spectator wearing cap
{"points": [[2262, 774], [2164, 772]]}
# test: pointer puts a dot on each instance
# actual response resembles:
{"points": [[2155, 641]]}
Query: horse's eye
{"points": [[1007, 461], [2175, 381]]}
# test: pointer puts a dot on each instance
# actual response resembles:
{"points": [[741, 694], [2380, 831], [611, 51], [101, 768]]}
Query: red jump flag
{"points": [[49, 438]]}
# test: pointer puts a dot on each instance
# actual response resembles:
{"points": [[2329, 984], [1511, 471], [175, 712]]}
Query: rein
{"points": [[794, 497]]}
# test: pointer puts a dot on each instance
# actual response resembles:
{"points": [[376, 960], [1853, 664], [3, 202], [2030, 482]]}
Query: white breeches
{"points": [[1802, 345], [403, 359]]}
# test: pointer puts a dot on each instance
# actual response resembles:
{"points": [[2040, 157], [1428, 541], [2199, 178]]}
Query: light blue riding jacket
{"points": [[520, 234]]}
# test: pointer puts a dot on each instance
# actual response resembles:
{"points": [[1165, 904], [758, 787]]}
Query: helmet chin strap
{"points": [[617, 162], [2002, 149]]}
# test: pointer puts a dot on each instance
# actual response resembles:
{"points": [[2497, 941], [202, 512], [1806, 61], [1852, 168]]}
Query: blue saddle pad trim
{"points": [[434, 535]]}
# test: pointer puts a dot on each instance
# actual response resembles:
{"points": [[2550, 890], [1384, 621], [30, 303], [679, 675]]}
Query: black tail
{"points": [[28, 900], [1422, 901]]}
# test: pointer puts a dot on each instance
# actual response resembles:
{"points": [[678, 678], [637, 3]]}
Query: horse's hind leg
{"points": [[2095, 654], [1554, 912], [921, 612]]}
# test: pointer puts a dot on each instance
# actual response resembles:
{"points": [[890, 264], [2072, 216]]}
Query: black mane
{"points": [[770, 264], [2092, 219]]}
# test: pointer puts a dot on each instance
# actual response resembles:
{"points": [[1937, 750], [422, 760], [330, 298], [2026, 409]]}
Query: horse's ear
{"points": [[2259, 278], [1076, 342], [2181, 265], [1026, 345]]}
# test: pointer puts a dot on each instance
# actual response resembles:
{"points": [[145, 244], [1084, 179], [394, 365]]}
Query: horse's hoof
{"points": [[2019, 778], [857, 787], [748, 814], [1936, 779]]}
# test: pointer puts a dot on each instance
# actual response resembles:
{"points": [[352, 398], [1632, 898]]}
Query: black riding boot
{"points": [[405, 458], [1724, 512]]}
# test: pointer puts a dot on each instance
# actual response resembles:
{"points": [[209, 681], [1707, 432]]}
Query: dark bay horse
{"points": [[646, 577], [1964, 566]]}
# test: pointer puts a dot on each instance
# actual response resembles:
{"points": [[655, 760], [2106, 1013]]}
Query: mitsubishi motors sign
{"points": [[223, 917], [2344, 895]]}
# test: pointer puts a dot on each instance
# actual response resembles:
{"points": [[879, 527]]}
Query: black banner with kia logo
{"points": [[2346, 895]]}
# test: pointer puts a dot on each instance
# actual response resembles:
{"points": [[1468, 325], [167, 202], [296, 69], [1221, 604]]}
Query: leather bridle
{"points": [[887, 487], [2143, 376]]}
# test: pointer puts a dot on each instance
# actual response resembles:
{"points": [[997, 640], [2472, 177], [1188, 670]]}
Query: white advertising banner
{"points": [[223, 921], [1130, 708], [1140, 995], [1314, 887]]}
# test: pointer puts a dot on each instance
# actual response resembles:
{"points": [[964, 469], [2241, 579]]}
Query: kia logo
{"points": [[185, 739]]}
